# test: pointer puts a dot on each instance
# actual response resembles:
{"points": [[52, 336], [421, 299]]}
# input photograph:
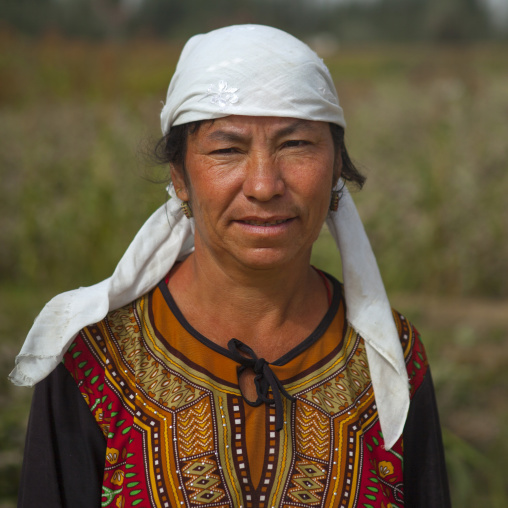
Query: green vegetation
{"points": [[426, 124]]}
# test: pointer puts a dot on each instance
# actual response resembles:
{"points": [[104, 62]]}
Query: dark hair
{"points": [[171, 149], [349, 172]]}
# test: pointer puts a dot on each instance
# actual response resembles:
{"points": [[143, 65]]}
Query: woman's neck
{"points": [[270, 310]]}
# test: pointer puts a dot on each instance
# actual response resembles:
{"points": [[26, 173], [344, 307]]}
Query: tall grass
{"points": [[431, 134], [428, 126]]}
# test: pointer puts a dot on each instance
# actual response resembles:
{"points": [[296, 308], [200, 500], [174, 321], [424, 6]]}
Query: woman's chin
{"points": [[270, 258]]}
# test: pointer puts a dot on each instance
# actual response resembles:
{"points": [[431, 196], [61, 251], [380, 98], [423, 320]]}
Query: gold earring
{"points": [[334, 201], [187, 210]]}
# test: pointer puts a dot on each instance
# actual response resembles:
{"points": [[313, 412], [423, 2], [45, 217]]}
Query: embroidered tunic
{"points": [[178, 431]]}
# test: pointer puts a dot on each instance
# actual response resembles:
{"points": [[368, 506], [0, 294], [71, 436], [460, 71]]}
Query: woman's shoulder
{"points": [[90, 351], [97, 354], [417, 364]]}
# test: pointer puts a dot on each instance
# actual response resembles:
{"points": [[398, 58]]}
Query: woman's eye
{"points": [[224, 151], [295, 143]]}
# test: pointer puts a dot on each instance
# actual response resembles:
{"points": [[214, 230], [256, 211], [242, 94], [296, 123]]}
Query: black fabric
{"points": [[425, 478], [65, 449]]}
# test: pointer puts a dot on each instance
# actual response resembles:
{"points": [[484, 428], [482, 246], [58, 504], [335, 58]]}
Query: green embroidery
{"points": [[109, 494]]}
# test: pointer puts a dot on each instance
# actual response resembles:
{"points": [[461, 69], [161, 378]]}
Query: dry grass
{"points": [[427, 124]]}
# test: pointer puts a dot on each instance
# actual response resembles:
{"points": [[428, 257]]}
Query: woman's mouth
{"points": [[264, 223]]}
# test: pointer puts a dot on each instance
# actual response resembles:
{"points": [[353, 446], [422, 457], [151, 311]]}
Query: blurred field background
{"points": [[428, 125]]}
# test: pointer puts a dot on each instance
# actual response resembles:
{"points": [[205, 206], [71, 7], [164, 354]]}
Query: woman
{"points": [[217, 367]]}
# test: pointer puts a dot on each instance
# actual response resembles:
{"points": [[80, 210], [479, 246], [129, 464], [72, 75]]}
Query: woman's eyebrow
{"points": [[228, 136], [292, 127]]}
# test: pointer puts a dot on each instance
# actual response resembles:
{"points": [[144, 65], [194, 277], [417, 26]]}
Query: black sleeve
{"points": [[65, 450], [425, 478]]}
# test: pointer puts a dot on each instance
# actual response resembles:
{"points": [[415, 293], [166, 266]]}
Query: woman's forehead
{"points": [[273, 124]]}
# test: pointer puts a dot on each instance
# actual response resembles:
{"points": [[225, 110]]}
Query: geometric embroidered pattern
{"points": [[179, 433], [312, 431], [340, 391], [203, 483], [308, 483], [195, 430]]}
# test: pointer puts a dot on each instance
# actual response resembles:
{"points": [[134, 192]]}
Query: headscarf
{"points": [[248, 70]]}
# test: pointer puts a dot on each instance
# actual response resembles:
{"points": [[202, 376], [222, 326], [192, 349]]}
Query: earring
{"points": [[334, 201], [187, 210]]}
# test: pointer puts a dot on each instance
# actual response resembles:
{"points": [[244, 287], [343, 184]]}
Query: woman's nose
{"points": [[263, 179]]}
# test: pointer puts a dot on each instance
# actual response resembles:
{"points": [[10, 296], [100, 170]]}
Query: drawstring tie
{"points": [[264, 380]]}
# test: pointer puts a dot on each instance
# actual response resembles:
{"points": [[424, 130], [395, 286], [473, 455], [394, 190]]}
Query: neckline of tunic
{"points": [[318, 332]]}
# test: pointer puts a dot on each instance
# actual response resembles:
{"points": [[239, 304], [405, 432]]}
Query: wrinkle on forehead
{"points": [[231, 128]]}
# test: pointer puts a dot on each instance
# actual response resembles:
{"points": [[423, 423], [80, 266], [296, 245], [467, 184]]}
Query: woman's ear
{"points": [[179, 182]]}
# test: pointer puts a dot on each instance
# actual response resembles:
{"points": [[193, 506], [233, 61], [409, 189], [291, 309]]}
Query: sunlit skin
{"points": [[259, 188]]}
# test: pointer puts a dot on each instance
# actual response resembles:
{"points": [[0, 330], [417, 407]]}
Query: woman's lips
{"points": [[264, 223]]}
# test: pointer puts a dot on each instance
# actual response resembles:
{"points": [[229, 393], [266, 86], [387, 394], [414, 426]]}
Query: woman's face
{"points": [[259, 188]]}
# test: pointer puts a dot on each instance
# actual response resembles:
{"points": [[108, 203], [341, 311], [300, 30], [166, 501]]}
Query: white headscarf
{"points": [[249, 70], [239, 70]]}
